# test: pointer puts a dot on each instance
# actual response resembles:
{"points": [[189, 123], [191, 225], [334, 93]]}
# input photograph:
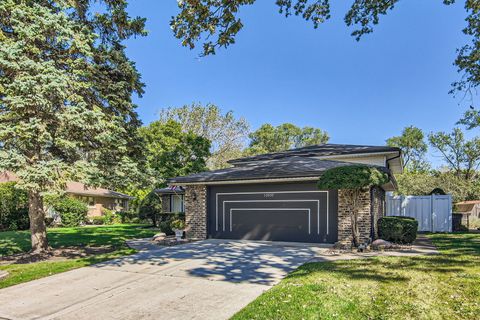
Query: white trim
{"points": [[299, 200], [273, 209], [345, 155], [263, 192], [356, 155]]}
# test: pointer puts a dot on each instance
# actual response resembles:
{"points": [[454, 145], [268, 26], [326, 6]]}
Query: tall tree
{"points": [[172, 152], [226, 133], [215, 23], [461, 155], [283, 137], [65, 97], [413, 145]]}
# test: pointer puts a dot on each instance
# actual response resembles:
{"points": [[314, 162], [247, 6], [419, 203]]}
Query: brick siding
{"points": [[196, 211], [344, 219]]}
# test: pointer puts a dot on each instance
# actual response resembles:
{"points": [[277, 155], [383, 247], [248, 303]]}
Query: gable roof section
{"points": [[76, 188], [320, 150], [284, 168]]}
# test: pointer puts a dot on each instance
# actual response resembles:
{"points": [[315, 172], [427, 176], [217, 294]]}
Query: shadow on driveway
{"points": [[234, 261]]}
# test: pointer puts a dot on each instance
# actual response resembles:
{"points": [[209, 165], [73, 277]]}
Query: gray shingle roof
{"points": [[176, 190], [289, 167], [318, 150]]}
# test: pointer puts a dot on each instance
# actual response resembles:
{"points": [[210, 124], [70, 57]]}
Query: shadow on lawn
{"points": [[458, 253]]}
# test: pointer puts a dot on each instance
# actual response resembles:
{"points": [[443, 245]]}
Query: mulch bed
{"points": [[56, 254]]}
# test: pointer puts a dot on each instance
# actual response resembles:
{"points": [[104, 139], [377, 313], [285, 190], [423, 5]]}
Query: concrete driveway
{"points": [[209, 279]]}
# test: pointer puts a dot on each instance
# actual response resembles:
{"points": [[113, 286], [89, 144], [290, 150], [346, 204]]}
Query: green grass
{"points": [[19, 273], [15, 242], [445, 286], [12, 242]]}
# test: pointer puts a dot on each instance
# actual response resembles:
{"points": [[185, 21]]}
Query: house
{"points": [[274, 196], [96, 198], [172, 199], [468, 208]]}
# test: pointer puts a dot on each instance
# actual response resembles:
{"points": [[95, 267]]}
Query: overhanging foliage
{"points": [[352, 177]]}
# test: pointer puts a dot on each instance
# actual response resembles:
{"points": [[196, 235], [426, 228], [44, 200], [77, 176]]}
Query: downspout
{"points": [[397, 156]]}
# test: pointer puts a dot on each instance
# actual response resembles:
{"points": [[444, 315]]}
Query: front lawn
{"points": [[113, 236], [12, 242], [445, 286]]}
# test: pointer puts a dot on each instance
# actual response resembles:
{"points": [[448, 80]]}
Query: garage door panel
{"points": [[292, 212], [271, 225]]}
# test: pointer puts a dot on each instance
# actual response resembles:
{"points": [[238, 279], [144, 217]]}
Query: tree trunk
{"points": [[354, 195], [38, 230]]}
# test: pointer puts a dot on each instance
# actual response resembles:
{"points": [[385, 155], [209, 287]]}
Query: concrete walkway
{"points": [[209, 279]]}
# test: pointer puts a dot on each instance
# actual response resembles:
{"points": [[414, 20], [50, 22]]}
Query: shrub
{"points": [[13, 207], [398, 229], [128, 217], [165, 227], [177, 224], [97, 220], [150, 207], [474, 223], [72, 212], [107, 216]]}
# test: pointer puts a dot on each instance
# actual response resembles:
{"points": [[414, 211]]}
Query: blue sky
{"points": [[282, 70]]}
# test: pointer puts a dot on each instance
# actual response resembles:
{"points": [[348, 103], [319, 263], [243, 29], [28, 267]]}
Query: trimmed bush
{"points": [[97, 220], [13, 208], [73, 212], [128, 216], [165, 227], [398, 229]]}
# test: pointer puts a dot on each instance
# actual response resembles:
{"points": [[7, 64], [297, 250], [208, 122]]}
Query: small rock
{"points": [[381, 244], [3, 274], [159, 237]]}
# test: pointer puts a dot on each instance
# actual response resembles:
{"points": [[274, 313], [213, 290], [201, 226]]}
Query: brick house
{"points": [[172, 199], [96, 198], [274, 196]]}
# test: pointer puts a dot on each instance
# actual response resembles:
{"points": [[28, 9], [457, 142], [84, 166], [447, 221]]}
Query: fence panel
{"points": [[433, 213], [442, 213]]}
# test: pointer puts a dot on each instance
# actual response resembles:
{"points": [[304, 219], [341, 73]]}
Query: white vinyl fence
{"points": [[433, 213]]}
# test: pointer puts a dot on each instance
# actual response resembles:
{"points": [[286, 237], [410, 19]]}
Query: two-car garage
{"points": [[275, 212]]}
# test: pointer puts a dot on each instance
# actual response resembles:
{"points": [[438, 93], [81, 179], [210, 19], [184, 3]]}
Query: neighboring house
{"points": [[275, 197], [172, 199], [470, 208], [95, 198]]}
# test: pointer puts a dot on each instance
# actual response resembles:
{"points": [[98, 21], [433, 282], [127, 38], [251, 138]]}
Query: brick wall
{"points": [[378, 207], [196, 211], [345, 222]]}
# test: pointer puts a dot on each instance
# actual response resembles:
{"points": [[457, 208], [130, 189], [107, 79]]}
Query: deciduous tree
{"points": [[171, 152], [413, 145], [461, 155], [215, 23], [226, 133], [283, 137]]}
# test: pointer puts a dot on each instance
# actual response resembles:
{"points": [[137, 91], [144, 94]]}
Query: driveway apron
{"points": [[210, 279]]}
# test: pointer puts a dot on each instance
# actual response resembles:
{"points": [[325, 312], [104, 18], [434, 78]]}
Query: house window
{"points": [[90, 201], [176, 203]]}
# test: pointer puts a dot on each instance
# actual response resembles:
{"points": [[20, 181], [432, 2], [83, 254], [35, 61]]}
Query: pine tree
{"points": [[65, 97]]}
